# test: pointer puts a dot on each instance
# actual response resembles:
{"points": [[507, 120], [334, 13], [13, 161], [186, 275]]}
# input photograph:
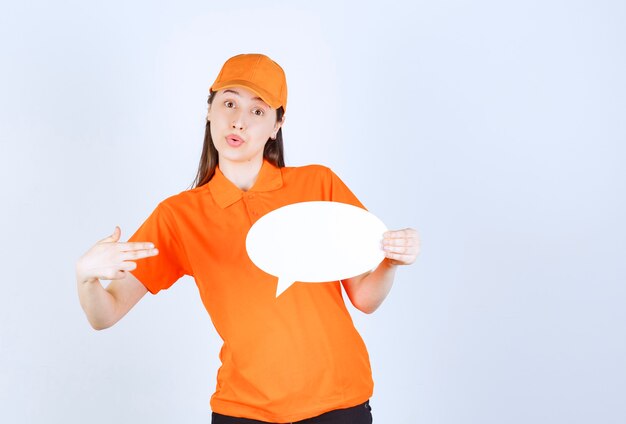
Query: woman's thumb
{"points": [[113, 237]]}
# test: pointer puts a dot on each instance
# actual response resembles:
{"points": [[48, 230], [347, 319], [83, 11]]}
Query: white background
{"points": [[494, 128]]}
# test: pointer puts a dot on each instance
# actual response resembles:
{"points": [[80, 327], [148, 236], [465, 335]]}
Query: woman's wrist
{"points": [[387, 263]]}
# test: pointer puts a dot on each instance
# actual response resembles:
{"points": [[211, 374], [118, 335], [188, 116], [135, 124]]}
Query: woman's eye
{"points": [[258, 112], [227, 103]]}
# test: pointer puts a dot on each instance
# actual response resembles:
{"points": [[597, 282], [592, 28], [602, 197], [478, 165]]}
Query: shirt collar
{"points": [[226, 193]]}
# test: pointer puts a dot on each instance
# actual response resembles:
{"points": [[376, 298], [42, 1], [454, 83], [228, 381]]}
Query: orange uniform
{"points": [[284, 358]]}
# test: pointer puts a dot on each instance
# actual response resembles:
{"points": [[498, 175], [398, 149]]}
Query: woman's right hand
{"points": [[110, 260]]}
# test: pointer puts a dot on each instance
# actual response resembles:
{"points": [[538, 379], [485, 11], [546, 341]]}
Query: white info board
{"points": [[315, 242]]}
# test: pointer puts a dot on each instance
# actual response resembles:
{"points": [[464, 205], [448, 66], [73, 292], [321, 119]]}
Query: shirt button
{"points": [[250, 196]]}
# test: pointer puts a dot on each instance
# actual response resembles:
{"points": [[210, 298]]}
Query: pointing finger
{"points": [[129, 246], [139, 254]]}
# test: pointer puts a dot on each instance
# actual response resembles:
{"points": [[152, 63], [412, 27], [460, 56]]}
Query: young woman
{"points": [[292, 358]]}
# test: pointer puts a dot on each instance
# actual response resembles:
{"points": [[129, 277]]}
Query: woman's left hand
{"points": [[401, 246]]}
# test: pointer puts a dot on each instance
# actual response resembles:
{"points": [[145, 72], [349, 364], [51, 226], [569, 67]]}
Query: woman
{"points": [[287, 359]]}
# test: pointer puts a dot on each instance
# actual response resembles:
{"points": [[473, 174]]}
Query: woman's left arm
{"points": [[367, 291]]}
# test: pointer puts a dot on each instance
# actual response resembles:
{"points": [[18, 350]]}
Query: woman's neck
{"points": [[242, 174]]}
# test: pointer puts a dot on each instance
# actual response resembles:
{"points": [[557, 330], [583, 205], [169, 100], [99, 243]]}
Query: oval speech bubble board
{"points": [[314, 242]]}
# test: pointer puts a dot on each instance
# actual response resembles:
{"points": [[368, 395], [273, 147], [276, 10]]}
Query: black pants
{"points": [[360, 414]]}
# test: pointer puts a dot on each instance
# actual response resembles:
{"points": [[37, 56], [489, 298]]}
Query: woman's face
{"points": [[241, 124]]}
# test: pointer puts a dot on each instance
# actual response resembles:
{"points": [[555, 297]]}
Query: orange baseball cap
{"points": [[258, 73]]}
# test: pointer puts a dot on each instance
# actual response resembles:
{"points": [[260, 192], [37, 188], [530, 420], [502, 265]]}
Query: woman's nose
{"points": [[238, 121]]}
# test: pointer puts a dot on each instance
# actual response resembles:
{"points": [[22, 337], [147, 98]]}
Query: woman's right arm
{"points": [[110, 260]]}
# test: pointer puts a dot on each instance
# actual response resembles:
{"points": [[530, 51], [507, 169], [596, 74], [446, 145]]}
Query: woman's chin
{"points": [[239, 156]]}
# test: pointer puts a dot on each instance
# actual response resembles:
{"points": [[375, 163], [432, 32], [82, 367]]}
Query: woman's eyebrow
{"points": [[237, 93]]}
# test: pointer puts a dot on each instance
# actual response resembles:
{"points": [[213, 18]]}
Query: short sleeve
{"points": [[161, 271], [339, 192]]}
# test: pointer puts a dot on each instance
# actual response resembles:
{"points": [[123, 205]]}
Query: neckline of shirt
{"points": [[225, 192]]}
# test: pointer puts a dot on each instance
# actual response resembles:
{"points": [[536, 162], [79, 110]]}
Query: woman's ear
{"points": [[279, 124]]}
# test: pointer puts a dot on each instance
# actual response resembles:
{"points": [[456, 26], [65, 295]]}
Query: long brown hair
{"points": [[273, 151]]}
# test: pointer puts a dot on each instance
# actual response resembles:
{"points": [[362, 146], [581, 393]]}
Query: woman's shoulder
{"points": [[307, 170], [183, 198]]}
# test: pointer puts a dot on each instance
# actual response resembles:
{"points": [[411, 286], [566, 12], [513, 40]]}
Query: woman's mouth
{"points": [[234, 140]]}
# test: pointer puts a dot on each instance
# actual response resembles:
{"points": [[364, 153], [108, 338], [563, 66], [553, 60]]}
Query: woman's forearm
{"points": [[368, 291], [98, 304]]}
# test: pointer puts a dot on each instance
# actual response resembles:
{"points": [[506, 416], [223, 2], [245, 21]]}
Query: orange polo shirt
{"points": [[283, 359]]}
